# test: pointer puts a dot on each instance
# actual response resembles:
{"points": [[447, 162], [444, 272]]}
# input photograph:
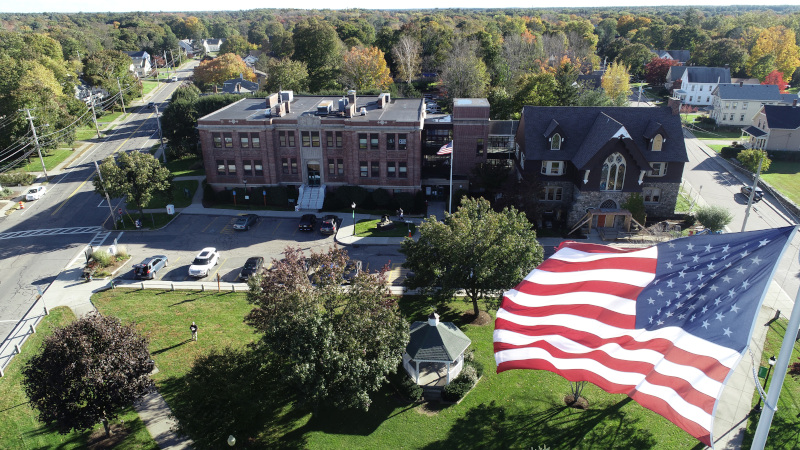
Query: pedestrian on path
{"points": [[193, 329], [400, 213]]}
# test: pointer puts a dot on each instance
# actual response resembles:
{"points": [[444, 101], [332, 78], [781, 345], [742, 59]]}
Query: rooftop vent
{"points": [[272, 100], [363, 111], [286, 96], [324, 107]]}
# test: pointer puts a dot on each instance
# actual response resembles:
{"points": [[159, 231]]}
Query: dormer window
{"points": [[657, 142], [555, 142]]}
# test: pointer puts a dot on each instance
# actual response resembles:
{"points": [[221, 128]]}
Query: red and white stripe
{"points": [[575, 315]]}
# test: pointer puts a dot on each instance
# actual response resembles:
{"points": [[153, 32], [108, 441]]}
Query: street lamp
{"points": [[231, 440], [771, 362], [353, 205]]}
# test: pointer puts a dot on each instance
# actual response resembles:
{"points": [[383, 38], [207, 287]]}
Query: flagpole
{"points": [[781, 366], [450, 206]]}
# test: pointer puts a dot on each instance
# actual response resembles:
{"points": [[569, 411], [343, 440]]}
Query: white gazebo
{"points": [[435, 352]]}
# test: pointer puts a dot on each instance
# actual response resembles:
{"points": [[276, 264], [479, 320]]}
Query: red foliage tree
{"points": [[777, 79], [655, 72]]}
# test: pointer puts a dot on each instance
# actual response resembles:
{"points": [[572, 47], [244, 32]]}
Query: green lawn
{"points": [[148, 86], [51, 160], [18, 425], [179, 199], [192, 166], [108, 118], [152, 221], [717, 147], [367, 228], [515, 409], [782, 175], [86, 133], [683, 204], [785, 424]]}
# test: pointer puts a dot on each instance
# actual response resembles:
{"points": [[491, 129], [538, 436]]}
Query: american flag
{"points": [[665, 325], [446, 149]]}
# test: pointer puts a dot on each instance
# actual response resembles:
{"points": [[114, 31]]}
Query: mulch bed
{"points": [[483, 318]]}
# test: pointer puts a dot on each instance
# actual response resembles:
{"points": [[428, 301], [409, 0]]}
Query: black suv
{"points": [[307, 222], [146, 270], [745, 190], [252, 266], [329, 224]]}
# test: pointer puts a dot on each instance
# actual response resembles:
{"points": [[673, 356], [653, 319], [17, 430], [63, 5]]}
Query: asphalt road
{"points": [[36, 243]]}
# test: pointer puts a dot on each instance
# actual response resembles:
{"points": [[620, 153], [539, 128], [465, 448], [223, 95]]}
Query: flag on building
{"points": [[446, 149], [665, 325]]}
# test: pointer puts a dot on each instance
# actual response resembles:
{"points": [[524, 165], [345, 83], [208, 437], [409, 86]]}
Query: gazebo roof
{"points": [[436, 341]]}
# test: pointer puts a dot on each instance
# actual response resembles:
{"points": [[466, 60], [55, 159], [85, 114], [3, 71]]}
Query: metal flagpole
{"points": [[450, 205]]}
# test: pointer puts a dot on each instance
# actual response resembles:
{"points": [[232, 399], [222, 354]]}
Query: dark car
{"points": [[307, 222], [150, 105], [329, 225], [251, 267], [745, 190], [245, 222], [146, 270]]}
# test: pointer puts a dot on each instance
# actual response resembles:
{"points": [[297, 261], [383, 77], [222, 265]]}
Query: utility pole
{"points": [[36, 141], [160, 134], [108, 200], [180, 57], [121, 97], [165, 59], [753, 191], [94, 117], [172, 57]]}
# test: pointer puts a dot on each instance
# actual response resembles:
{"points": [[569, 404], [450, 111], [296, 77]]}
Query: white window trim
{"points": [[661, 172], [651, 189], [547, 168]]}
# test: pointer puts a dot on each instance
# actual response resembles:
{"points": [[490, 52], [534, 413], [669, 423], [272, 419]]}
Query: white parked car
{"points": [[203, 262], [35, 193]]}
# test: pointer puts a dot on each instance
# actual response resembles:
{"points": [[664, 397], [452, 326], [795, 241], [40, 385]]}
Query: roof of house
{"points": [[708, 74], [754, 131], [789, 98], [782, 117], [407, 110], [214, 41], [675, 73], [677, 55], [442, 342], [139, 54], [230, 86], [745, 80], [593, 79], [733, 91], [503, 127], [586, 130]]}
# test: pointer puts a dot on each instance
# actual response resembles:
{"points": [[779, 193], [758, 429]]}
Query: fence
{"points": [[12, 344]]}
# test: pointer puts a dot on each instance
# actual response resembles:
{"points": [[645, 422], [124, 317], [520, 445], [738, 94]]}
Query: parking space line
{"points": [[214, 275], [228, 228], [277, 224], [209, 224]]}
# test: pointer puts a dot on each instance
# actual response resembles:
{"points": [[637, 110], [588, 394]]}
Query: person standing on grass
{"points": [[193, 329]]}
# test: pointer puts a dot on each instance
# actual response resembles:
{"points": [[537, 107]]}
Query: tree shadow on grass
{"points": [[494, 426], [418, 307]]}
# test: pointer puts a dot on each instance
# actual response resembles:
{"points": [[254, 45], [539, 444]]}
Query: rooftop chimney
{"points": [[433, 319], [351, 96], [272, 100]]}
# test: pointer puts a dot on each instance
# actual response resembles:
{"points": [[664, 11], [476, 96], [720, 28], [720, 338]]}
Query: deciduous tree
{"points": [[283, 74], [365, 68], [777, 79], [406, 54], [87, 372], [751, 157], [237, 45], [317, 44], [222, 68], [636, 57], [135, 175], [715, 218], [655, 72], [616, 83], [778, 42], [333, 345], [464, 74], [476, 249]]}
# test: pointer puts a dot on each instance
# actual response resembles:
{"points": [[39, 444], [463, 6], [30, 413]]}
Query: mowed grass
{"points": [[189, 166], [514, 409], [148, 86], [368, 228], [179, 198], [51, 160], [785, 424], [19, 427], [783, 176]]}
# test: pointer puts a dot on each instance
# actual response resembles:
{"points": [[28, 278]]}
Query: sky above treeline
{"points": [[16, 6]]}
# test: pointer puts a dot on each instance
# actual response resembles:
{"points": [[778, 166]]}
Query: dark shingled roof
{"points": [[709, 74], [783, 117], [754, 131], [444, 342], [760, 92], [587, 129], [675, 73], [677, 55]]}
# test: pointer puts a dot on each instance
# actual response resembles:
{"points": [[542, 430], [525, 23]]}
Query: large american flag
{"points": [[665, 325], [446, 149]]}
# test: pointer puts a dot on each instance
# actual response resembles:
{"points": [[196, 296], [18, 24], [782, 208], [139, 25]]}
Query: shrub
{"points": [[635, 204], [456, 390], [349, 194], [102, 257], [17, 178], [714, 217], [688, 220], [751, 157], [730, 152], [477, 366], [122, 252], [381, 198], [469, 373], [277, 195], [209, 196], [404, 385], [405, 200]]}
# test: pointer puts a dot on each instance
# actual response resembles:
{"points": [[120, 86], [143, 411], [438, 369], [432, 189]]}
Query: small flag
{"points": [[446, 149], [665, 325]]}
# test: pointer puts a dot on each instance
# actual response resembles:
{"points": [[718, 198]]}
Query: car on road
{"points": [[245, 222], [307, 222], [35, 193], [329, 225], [203, 262], [147, 269], [252, 266], [151, 104], [745, 190]]}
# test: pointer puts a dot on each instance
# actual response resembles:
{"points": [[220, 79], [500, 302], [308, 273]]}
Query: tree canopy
{"points": [[616, 84], [476, 249], [221, 69], [135, 175], [365, 68]]}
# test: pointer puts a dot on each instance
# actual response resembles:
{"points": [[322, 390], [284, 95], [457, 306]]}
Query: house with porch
{"points": [[697, 83], [140, 63], [589, 160], [737, 104], [212, 45], [775, 127]]}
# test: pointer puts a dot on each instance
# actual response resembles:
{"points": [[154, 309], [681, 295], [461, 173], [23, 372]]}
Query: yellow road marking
{"points": [[90, 176], [214, 275], [209, 224], [277, 224]]}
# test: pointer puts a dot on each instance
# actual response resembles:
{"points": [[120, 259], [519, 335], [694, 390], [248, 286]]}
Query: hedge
{"points": [[17, 178]]}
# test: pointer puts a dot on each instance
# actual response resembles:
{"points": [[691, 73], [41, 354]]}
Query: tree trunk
{"points": [[474, 295], [107, 427]]}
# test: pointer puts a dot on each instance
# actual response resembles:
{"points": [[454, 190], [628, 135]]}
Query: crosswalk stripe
{"points": [[49, 232]]}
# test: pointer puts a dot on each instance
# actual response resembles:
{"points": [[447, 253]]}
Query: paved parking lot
{"points": [[182, 239]]}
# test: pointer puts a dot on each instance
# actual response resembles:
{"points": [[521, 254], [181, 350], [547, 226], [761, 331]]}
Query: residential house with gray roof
{"points": [[140, 63], [681, 56], [737, 104], [775, 127], [697, 84]]}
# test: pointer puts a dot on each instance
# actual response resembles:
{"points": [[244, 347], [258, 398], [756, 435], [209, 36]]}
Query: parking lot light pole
{"points": [[353, 205]]}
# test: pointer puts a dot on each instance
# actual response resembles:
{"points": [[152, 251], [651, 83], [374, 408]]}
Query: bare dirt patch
{"points": [[429, 408], [483, 318], [99, 441]]}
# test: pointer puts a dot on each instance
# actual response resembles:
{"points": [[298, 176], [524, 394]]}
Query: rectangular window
{"points": [[217, 138], [255, 140], [220, 167], [259, 167], [315, 138], [552, 167], [402, 140], [306, 136], [659, 169], [402, 170], [284, 165], [727, 105], [741, 118], [228, 138], [691, 98], [364, 169], [744, 105], [244, 141], [701, 88], [329, 139], [362, 141], [373, 141], [339, 139], [247, 167], [551, 194], [735, 104], [340, 166], [693, 86], [479, 147], [331, 167], [231, 167], [375, 171], [391, 142], [294, 165], [290, 137], [651, 194], [282, 139], [724, 117], [391, 170]]}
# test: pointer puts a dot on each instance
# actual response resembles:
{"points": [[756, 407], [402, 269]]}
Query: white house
{"points": [[140, 63], [681, 56], [737, 104], [697, 84], [212, 45]]}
